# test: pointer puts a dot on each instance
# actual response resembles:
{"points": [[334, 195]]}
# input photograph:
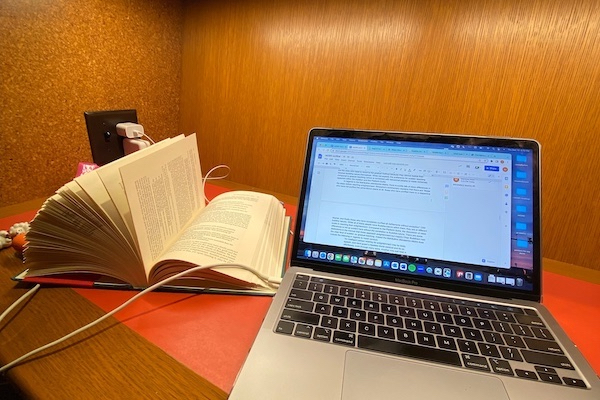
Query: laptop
{"points": [[415, 273]]}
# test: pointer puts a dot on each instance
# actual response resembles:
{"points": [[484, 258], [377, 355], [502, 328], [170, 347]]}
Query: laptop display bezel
{"points": [[421, 280]]}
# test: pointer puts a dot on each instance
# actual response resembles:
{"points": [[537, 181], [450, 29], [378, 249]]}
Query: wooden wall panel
{"points": [[257, 75], [59, 58]]}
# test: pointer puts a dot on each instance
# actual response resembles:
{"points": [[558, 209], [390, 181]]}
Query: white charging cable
{"points": [[207, 178], [271, 282]]}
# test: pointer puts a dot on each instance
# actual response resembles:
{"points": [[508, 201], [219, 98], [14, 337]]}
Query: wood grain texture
{"points": [[258, 74], [59, 58], [109, 361]]}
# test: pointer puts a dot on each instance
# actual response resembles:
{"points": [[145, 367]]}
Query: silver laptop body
{"points": [[416, 273]]}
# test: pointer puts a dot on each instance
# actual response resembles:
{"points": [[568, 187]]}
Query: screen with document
{"points": [[440, 210]]}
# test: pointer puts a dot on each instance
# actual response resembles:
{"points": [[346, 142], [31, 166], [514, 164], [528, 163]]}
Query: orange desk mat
{"points": [[212, 333]]}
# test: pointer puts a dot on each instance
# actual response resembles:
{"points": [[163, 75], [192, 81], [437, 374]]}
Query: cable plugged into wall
{"points": [[132, 134]]}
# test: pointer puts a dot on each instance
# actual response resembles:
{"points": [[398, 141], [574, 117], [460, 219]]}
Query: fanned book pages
{"points": [[143, 218]]}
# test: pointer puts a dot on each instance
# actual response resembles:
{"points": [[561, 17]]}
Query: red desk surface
{"points": [[212, 333]]}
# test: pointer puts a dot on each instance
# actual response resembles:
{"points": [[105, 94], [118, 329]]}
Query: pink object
{"points": [[85, 167]]}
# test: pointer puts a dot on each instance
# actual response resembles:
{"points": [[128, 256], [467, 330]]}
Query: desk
{"points": [[162, 350]]}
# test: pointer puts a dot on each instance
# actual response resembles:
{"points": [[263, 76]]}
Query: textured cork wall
{"points": [[59, 58]]}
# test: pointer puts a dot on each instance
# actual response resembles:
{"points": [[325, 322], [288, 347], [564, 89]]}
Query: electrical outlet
{"points": [[105, 143]]}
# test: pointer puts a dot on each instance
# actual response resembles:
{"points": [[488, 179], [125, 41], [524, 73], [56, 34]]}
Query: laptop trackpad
{"points": [[369, 376]]}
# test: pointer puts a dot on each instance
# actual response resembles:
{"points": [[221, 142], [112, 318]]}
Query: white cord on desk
{"points": [[272, 282], [18, 301]]}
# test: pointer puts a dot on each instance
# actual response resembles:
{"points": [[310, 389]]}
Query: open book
{"points": [[143, 218]]}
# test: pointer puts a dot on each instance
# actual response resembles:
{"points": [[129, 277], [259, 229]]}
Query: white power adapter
{"points": [[132, 133]]}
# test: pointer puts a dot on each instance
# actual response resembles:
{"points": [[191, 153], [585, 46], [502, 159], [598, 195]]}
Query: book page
{"points": [[233, 228], [164, 191], [111, 178]]}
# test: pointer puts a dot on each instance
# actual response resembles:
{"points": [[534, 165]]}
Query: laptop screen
{"points": [[437, 210]]}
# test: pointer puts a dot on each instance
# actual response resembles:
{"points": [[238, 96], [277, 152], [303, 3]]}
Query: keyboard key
{"points": [[301, 294], [323, 309], [446, 343], [301, 305], [472, 334], [407, 312], [449, 308], [331, 289], [300, 316], [453, 331], [303, 330], [510, 354], [363, 294], [414, 303], [329, 322], [486, 314], [337, 300], [468, 311], [413, 324], [431, 305], [340, 312], [320, 298], [345, 338], [425, 339], [409, 350], [354, 303], [386, 332], [467, 346], [502, 327], [501, 367], [322, 334], [532, 320], [489, 350], [546, 370], [300, 284], [348, 292], [348, 325], [425, 315], [526, 374], [542, 333], [375, 318], [522, 330], [389, 309], [367, 329], [315, 287], [394, 321], [397, 300], [371, 306], [405, 336], [463, 321], [358, 315], [543, 345], [514, 341], [380, 297], [550, 360], [492, 337], [432, 327], [574, 382], [551, 378], [285, 327], [483, 324], [444, 318], [505, 316], [475, 362]]}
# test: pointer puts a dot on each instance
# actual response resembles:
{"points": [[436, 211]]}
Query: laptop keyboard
{"points": [[479, 336]]}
